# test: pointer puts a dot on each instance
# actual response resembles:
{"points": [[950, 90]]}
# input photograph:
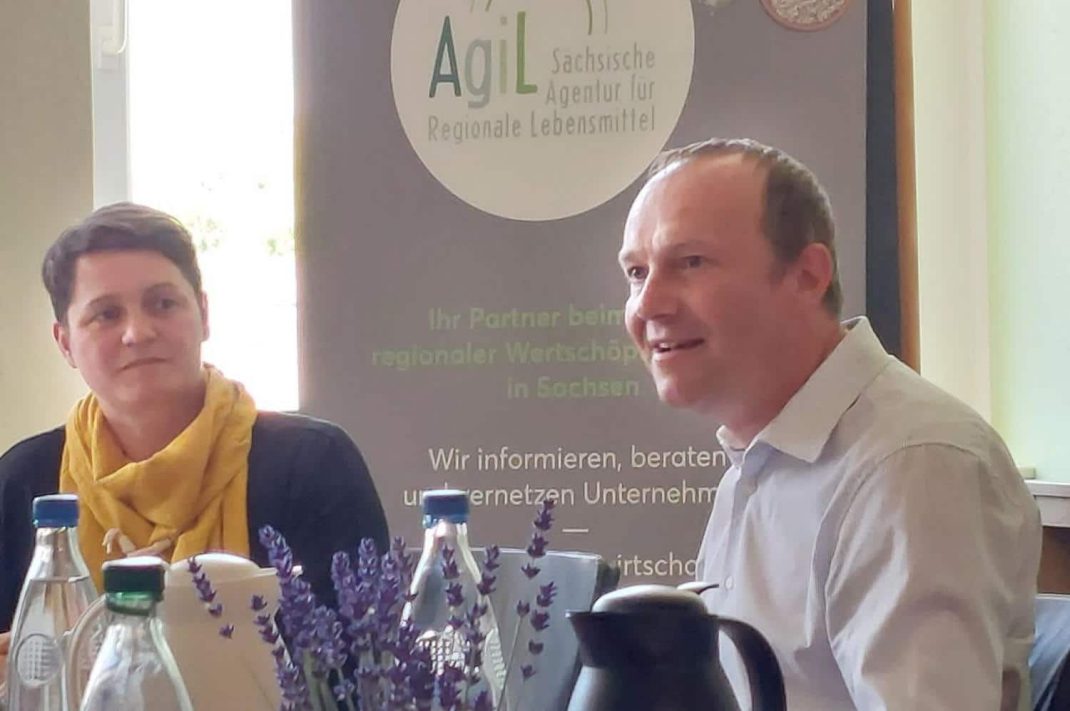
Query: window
{"points": [[193, 114]]}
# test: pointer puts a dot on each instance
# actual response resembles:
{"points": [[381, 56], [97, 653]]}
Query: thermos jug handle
{"points": [[763, 672]]}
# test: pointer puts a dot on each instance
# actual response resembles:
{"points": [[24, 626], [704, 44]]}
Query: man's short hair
{"points": [[123, 226], [795, 208]]}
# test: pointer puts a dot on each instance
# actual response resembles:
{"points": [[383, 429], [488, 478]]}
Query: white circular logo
{"points": [[537, 110]]}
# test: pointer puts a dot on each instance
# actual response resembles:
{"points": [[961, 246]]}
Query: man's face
{"points": [[134, 328], [706, 301]]}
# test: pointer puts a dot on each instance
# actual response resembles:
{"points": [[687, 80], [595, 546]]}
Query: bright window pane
{"points": [[211, 141]]}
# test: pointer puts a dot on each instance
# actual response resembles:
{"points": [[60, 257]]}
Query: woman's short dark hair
{"points": [[123, 226]]}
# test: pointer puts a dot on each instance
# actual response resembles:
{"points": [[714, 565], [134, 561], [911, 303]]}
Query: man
{"points": [[167, 455], [872, 527]]}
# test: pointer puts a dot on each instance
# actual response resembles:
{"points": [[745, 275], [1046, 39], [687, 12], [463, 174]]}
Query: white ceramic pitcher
{"points": [[220, 674]]}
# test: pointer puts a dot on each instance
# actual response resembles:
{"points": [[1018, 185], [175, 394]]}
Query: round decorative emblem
{"points": [[806, 15], [538, 110]]}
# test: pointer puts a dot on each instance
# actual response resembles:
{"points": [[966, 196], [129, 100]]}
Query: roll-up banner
{"points": [[464, 171]]}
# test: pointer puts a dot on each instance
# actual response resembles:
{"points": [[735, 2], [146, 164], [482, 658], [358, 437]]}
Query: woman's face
{"points": [[134, 329]]}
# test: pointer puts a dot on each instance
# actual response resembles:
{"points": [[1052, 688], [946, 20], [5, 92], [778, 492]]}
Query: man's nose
{"points": [[139, 328], [656, 298]]}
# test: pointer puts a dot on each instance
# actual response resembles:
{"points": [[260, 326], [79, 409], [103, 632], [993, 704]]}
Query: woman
{"points": [[165, 453]]}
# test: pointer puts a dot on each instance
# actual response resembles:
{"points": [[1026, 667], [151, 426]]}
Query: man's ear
{"points": [[813, 271], [62, 336], [202, 303]]}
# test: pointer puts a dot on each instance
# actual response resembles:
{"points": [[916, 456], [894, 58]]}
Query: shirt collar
{"points": [[805, 424]]}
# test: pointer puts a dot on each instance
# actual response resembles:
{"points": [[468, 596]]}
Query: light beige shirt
{"points": [[879, 535]]}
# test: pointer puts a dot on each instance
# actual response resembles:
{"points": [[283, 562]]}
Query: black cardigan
{"points": [[306, 478]]}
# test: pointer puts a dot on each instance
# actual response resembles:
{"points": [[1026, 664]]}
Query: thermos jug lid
{"points": [[649, 598], [450, 504], [55, 511]]}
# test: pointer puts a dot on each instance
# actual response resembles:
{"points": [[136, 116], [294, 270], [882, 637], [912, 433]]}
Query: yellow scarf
{"points": [[192, 492]]}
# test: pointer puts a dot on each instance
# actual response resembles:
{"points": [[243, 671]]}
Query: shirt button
{"points": [[729, 583]]}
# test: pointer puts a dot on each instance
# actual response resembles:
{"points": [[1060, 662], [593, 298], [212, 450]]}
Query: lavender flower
{"points": [[539, 619], [205, 592], [546, 594], [296, 601], [362, 655]]}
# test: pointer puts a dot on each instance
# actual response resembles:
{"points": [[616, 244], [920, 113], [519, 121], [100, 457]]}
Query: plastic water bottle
{"points": [[446, 526], [134, 670], [56, 592]]}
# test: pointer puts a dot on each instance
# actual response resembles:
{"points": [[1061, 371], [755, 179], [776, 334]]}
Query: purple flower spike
{"points": [[523, 608], [530, 570], [344, 689], [540, 620], [535, 647], [482, 702], [546, 595], [215, 610], [226, 631], [537, 547], [194, 566], [528, 671], [449, 564], [257, 603], [449, 690], [545, 519], [454, 595], [486, 584], [491, 562]]}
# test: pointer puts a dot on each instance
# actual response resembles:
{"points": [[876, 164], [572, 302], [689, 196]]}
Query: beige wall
{"points": [[45, 184], [949, 128]]}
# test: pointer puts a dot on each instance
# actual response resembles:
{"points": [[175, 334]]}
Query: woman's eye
{"points": [[165, 303], [692, 261], [108, 314]]}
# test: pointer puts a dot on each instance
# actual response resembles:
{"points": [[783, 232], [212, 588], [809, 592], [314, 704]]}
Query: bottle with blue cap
{"points": [[55, 593], [446, 529], [135, 669]]}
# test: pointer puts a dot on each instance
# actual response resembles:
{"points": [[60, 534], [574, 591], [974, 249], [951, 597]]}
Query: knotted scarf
{"points": [[191, 493]]}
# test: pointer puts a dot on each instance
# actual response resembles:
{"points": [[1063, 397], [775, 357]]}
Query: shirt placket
{"points": [[749, 471]]}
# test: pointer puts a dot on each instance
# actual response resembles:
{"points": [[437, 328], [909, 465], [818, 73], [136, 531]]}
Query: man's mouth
{"points": [[664, 347]]}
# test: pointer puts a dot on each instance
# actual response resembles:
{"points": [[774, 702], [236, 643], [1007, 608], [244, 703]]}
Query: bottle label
{"points": [[38, 660]]}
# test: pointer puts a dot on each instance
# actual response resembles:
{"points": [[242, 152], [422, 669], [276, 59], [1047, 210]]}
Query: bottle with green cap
{"points": [[447, 574], [56, 591], [134, 670]]}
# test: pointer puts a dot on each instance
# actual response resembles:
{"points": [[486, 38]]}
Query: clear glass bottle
{"points": [[56, 591], [446, 526], [134, 670]]}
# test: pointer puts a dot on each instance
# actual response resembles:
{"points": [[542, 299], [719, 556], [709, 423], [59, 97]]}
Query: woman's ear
{"points": [[61, 334]]}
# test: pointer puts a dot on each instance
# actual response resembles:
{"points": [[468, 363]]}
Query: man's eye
{"points": [[635, 273], [108, 314], [692, 261]]}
